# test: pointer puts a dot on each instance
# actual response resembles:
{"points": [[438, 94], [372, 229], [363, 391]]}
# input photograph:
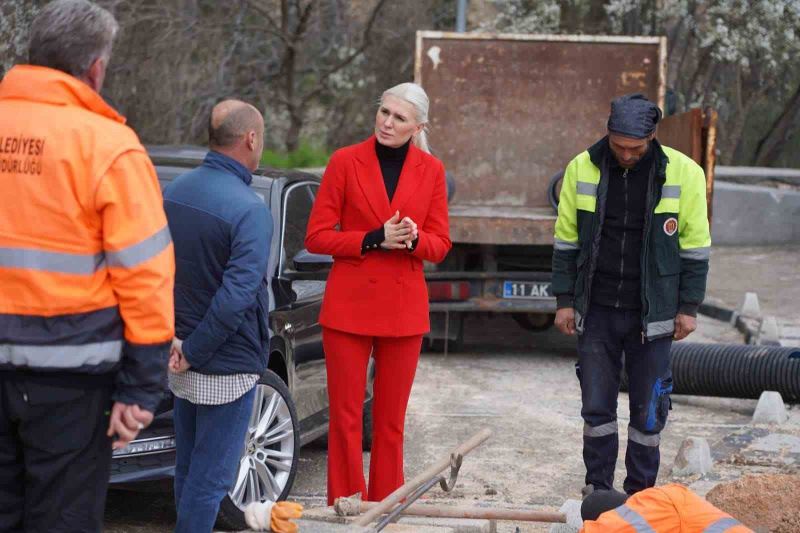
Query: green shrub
{"points": [[307, 155]]}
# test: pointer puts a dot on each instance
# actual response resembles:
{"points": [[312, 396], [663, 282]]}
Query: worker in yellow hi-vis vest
{"points": [[629, 271]]}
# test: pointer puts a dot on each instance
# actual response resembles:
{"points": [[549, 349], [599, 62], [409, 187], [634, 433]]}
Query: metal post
{"points": [[461, 16]]}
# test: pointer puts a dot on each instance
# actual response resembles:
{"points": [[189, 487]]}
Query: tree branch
{"points": [[769, 147], [366, 40]]}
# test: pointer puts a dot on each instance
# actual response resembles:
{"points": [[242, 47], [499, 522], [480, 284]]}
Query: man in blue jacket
{"points": [[222, 232]]}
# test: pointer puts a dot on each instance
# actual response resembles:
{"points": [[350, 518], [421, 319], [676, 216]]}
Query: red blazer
{"points": [[383, 292]]}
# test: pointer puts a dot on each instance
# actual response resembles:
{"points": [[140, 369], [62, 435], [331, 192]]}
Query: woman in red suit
{"points": [[381, 210]]}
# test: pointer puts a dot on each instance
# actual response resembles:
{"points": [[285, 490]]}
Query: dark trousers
{"points": [[55, 457], [608, 333], [210, 440]]}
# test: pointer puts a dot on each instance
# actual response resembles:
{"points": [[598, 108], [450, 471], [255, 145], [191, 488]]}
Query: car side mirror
{"points": [[305, 261]]}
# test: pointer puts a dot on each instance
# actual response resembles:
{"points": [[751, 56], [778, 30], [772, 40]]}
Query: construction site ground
{"points": [[522, 386]]}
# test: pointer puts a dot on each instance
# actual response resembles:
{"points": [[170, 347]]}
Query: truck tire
{"points": [[534, 321], [551, 189]]}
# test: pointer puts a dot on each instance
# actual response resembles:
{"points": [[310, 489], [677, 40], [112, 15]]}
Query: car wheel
{"points": [[270, 455]]}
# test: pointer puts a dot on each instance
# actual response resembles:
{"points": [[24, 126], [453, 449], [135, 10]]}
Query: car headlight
{"points": [[144, 446]]}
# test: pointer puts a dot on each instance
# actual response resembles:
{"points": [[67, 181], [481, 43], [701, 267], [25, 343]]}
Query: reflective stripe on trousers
{"points": [[600, 431]]}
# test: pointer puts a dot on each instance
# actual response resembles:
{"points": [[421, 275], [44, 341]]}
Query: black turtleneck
{"points": [[391, 161]]}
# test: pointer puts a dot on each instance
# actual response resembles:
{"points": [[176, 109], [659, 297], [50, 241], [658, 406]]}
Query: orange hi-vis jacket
{"points": [[86, 259], [668, 509]]}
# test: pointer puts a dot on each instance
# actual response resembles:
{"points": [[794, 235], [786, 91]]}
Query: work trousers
{"points": [[55, 457], [347, 358], [608, 333]]}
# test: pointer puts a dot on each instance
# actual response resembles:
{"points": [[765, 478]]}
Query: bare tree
{"points": [[316, 40], [773, 143], [15, 20]]}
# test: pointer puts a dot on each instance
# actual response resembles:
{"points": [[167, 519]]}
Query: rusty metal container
{"points": [[509, 111]]}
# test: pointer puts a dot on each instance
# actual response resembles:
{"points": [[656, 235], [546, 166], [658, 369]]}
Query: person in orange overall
{"points": [[670, 508], [86, 278]]}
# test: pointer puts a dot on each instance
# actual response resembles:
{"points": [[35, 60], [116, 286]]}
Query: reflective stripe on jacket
{"points": [[676, 240], [86, 257], [669, 509]]}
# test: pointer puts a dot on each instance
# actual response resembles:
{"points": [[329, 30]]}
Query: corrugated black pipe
{"points": [[734, 370]]}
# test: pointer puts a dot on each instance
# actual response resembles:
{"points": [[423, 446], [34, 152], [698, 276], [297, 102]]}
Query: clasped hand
{"points": [[399, 234], [177, 362]]}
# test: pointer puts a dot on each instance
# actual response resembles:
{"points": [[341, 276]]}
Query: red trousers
{"points": [[346, 358]]}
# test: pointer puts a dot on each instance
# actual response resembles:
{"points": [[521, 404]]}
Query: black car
{"points": [[291, 406]]}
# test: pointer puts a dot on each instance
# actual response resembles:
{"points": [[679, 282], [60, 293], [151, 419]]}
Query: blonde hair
{"points": [[416, 96]]}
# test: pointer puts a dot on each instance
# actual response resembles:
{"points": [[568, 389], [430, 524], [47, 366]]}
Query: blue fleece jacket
{"points": [[222, 232]]}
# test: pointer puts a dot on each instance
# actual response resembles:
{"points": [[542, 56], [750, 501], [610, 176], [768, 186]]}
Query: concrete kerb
{"points": [[770, 409], [693, 458], [748, 327]]}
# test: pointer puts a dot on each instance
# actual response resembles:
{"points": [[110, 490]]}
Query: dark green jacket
{"points": [[676, 239]]}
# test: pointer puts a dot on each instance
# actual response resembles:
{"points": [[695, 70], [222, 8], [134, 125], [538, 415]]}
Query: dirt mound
{"points": [[765, 503]]}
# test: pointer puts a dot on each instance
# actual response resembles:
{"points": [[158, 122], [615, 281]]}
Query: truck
{"points": [[507, 113]]}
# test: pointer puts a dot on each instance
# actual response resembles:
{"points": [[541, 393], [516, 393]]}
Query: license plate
{"points": [[526, 289]]}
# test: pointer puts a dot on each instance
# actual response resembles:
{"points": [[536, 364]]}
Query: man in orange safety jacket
{"points": [[671, 508], [86, 277]]}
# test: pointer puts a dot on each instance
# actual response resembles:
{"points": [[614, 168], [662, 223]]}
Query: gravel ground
{"points": [[525, 391], [522, 386]]}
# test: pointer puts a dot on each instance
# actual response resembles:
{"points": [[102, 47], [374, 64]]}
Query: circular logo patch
{"points": [[671, 226]]}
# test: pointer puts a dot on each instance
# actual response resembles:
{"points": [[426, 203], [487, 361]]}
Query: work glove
{"points": [[273, 516]]}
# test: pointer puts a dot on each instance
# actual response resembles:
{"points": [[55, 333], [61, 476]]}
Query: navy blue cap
{"points": [[634, 116], [600, 501]]}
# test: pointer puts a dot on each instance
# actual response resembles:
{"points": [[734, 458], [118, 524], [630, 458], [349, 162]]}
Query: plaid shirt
{"points": [[210, 389]]}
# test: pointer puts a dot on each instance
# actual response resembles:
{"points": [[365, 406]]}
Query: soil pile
{"points": [[764, 503]]}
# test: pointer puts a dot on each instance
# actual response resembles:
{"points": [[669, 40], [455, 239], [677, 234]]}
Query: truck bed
{"points": [[500, 225]]}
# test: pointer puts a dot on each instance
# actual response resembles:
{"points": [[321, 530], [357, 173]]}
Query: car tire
{"points": [[278, 442]]}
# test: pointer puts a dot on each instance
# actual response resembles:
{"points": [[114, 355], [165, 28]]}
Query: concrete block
{"points": [[572, 509], [769, 334], [750, 307], [753, 215], [694, 457], [770, 409], [563, 528], [304, 525], [459, 525]]}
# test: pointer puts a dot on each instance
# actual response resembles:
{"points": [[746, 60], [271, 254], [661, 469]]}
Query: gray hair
{"points": [[69, 35], [416, 96]]}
